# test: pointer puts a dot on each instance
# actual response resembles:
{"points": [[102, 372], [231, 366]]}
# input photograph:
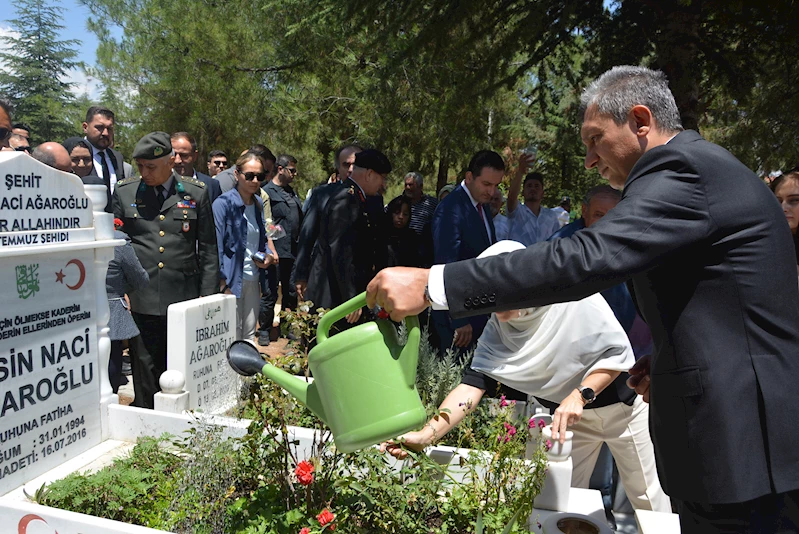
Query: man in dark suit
{"points": [[350, 248], [462, 229], [314, 207], [185, 147], [108, 163], [713, 273], [171, 227]]}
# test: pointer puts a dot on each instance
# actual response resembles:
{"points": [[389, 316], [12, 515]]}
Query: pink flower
{"points": [[531, 423], [305, 530], [502, 402], [304, 472], [548, 445], [541, 423], [510, 429], [326, 517]]}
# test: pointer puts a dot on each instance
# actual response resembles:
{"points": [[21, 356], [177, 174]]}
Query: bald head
{"points": [[54, 155]]}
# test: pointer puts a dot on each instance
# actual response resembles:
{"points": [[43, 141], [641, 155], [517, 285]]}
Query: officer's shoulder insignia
{"points": [[192, 181], [351, 190], [127, 181]]}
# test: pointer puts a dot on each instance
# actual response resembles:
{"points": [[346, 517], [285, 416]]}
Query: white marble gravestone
{"points": [[54, 346], [199, 332]]}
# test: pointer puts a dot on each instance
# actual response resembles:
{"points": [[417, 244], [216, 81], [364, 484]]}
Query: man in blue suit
{"points": [[462, 229]]}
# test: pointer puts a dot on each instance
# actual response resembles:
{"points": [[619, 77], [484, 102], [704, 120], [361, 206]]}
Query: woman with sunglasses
{"points": [[241, 238]]}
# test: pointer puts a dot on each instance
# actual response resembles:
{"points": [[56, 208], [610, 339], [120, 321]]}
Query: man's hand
{"points": [[301, 286], [462, 336], [399, 291], [525, 162], [639, 377], [568, 413]]}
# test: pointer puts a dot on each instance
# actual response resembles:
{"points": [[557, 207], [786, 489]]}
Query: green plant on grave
{"points": [[135, 489]]}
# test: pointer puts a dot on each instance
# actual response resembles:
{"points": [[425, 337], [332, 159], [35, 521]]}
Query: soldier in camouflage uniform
{"points": [[171, 227]]}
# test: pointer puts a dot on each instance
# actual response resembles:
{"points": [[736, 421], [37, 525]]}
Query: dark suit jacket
{"points": [[460, 234], [349, 249], [117, 163], [211, 185], [309, 231], [714, 275]]}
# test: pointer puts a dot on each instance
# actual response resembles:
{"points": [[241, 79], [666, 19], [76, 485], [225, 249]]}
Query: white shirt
{"points": [[98, 165]]}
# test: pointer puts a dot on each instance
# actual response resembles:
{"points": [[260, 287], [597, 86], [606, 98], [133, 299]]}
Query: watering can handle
{"points": [[339, 312]]}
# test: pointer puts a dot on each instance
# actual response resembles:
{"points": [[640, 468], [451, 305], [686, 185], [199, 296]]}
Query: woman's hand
{"points": [[415, 441], [568, 413], [354, 316]]}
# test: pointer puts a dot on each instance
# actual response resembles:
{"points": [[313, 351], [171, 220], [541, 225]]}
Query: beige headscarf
{"points": [[548, 351]]}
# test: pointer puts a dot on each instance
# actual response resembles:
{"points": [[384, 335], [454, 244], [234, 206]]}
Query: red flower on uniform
{"points": [[304, 472], [325, 518], [118, 223]]}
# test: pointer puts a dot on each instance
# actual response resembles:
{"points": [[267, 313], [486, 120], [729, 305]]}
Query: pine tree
{"points": [[36, 65]]}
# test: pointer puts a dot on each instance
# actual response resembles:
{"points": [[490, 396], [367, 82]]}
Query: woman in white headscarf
{"points": [[567, 355]]}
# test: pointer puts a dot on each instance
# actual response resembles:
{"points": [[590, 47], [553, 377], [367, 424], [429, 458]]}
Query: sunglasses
{"points": [[292, 171], [219, 163], [5, 133], [86, 160], [250, 176], [23, 149]]}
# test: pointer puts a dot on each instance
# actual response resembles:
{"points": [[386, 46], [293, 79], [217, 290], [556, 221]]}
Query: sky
{"points": [[74, 19]]}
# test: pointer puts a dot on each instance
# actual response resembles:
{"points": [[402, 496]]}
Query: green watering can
{"points": [[364, 384]]}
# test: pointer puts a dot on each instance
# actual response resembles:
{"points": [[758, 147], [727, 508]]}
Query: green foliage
{"points": [[36, 65], [205, 483], [136, 489]]}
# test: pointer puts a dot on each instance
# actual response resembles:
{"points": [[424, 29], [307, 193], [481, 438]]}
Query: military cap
{"points": [[153, 146], [373, 159]]}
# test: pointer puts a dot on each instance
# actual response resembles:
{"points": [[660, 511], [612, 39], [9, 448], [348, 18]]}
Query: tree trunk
{"points": [[443, 169]]}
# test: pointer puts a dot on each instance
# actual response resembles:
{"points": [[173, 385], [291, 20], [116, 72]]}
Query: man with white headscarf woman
{"points": [[553, 353]]}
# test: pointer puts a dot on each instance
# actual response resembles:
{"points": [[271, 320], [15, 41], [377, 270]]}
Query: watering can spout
{"points": [[247, 361]]}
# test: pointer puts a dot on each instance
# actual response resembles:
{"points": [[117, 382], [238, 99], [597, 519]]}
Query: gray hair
{"points": [[622, 87], [601, 190], [418, 178]]}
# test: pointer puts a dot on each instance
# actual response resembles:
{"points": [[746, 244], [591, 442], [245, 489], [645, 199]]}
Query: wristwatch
{"points": [[588, 394], [427, 296]]}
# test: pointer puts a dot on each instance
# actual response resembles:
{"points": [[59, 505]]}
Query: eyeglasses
{"points": [[291, 170], [23, 149], [4, 134], [250, 176], [86, 160], [219, 163]]}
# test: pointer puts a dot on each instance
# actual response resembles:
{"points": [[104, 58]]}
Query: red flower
{"points": [[382, 314], [325, 518], [502, 401], [304, 472], [305, 530], [118, 224]]}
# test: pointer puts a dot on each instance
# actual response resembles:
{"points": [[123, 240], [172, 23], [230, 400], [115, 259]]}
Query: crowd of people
{"points": [[661, 326]]}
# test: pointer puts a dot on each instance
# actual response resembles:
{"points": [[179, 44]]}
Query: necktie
{"points": [[160, 191], [104, 168], [480, 211]]}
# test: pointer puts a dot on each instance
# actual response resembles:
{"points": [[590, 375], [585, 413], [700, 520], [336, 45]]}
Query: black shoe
{"points": [[126, 371], [263, 339], [291, 337]]}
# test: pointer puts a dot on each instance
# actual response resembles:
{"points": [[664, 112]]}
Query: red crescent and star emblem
{"points": [[22, 527], [59, 276]]}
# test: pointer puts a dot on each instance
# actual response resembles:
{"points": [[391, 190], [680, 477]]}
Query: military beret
{"points": [[153, 146], [373, 159]]}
